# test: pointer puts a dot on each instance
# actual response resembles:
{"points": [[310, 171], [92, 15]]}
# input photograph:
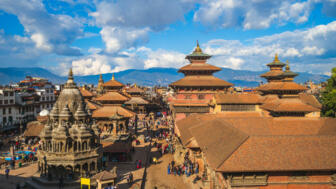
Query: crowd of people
{"points": [[187, 168]]}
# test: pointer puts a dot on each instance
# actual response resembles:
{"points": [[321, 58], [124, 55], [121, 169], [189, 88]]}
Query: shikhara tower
{"points": [[70, 145]]}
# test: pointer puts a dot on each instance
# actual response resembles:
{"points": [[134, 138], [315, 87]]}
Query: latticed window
{"points": [[238, 107]]}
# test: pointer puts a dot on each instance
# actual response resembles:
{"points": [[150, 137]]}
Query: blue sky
{"points": [[102, 36]]}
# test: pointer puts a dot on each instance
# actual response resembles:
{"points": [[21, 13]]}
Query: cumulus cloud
{"points": [[252, 14], [18, 51], [140, 58], [304, 48], [117, 38], [126, 23], [162, 58], [49, 32]]}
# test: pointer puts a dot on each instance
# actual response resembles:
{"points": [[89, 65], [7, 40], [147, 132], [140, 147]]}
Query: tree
{"points": [[329, 96]]}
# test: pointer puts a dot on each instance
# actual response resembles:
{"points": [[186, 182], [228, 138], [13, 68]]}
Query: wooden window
{"points": [[238, 107], [201, 96], [248, 179]]}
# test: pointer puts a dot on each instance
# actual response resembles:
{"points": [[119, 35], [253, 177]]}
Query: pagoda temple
{"points": [[284, 97], [113, 118], [193, 92]]}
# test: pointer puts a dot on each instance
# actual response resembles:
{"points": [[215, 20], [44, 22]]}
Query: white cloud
{"points": [[313, 50], [126, 23], [303, 48], [255, 14], [162, 58], [50, 32], [93, 64], [117, 39], [41, 42]]}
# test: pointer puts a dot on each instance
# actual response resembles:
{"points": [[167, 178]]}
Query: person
{"points": [[7, 172], [168, 168], [61, 182], [131, 177], [136, 163], [196, 168]]}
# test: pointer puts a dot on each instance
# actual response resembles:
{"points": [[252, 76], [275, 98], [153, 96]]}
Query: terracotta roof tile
{"points": [[113, 83], [137, 100], [85, 92], [199, 66], [207, 80], [288, 105], [92, 105], [281, 86], [109, 111], [310, 99], [210, 140], [112, 96], [283, 153], [273, 73], [274, 143], [228, 98], [33, 129]]}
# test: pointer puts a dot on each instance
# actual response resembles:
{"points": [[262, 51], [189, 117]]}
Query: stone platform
{"points": [[41, 183]]}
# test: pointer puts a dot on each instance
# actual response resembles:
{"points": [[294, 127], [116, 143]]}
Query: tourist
{"points": [[131, 177], [168, 168], [7, 172], [196, 168]]}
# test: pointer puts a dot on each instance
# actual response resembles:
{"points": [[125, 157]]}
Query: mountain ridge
{"points": [[148, 77]]}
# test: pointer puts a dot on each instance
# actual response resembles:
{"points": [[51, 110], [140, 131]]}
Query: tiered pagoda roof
{"points": [[86, 93], [112, 96], [198, 73], [287, 98], [276, 72], [202, 81], [113, 83], [110, 111], [135, 89], [137, 100]]}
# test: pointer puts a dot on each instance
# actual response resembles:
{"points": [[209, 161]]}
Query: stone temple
{"points": [[70, 146]]}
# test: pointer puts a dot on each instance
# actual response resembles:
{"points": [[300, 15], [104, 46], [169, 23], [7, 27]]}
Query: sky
{"points": [[100, 36]]}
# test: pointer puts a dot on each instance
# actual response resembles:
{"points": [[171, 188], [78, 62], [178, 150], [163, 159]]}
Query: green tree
{"points": [[329, 96]]}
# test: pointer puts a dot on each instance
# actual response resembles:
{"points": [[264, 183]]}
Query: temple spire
{"points": [[70, 83], [113, 76], [276, 58], [287, 66], [198, 48], [70, 76]]}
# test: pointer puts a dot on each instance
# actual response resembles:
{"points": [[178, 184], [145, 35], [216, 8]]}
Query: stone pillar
{"points": [[114, 128]]}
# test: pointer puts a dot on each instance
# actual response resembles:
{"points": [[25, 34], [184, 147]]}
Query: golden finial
{"points": [[198, 49], [70, 72], [276, 59], [113, 76], [287, 66], [135, 85]]}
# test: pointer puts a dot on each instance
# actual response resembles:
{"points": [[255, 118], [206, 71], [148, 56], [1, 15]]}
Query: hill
{"points": [[149, 77]]}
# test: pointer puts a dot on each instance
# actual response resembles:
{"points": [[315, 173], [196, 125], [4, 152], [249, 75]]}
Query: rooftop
{"points": [[203, 81]]}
